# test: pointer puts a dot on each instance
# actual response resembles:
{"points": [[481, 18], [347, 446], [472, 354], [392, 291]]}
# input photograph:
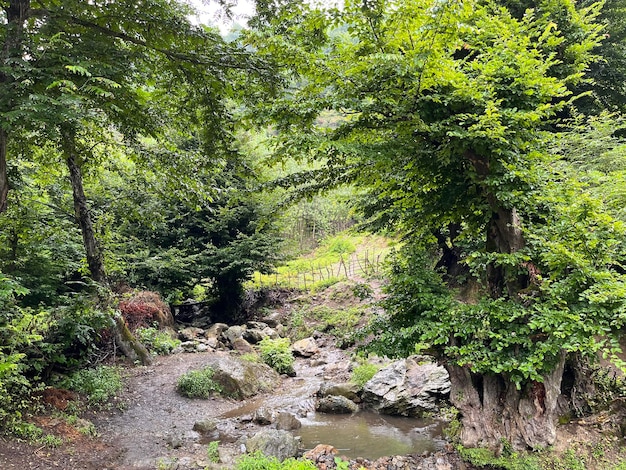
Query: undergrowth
{"points": [[157, 341], [277, 354], [258, 461], [198, 384], [98, 384]]}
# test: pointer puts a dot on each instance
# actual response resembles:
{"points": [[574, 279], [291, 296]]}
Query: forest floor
{"points": [[150, 426]]}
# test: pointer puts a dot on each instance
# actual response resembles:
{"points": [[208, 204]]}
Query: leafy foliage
{"points": [[362, 373], [99, 384], [157, 341], [259, 461], [198, 384], [277, 354]]}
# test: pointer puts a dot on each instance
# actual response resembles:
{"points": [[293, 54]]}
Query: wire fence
{"points": [[354, 266]]}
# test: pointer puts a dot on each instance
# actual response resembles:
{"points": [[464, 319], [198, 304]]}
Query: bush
{"points": [[277, 354], [143, 309], [362, 373], [99, 384], [157, 341], [258, 461], [198, 384]]}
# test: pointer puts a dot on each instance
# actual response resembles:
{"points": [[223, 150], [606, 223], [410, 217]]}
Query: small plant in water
{"points": [[198, 384]]}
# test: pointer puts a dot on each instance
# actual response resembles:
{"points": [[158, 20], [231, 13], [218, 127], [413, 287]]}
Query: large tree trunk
{"points": [[16, 14], [4, 180], [493, 409], [124, 339], [95, 260]]}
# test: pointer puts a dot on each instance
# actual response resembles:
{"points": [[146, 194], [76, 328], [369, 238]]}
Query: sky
{"points": [[210, 13]]}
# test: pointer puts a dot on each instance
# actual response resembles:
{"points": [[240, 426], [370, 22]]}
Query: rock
{"points": [[336, 405], [306, 347], [203, 347], [189, 346], [263, 416], [349, 390], [270, 333], [242, 379], [241, 345], [274, 443], [234, 332], [190, 333], [174, 441], [407, 388], [216, 330], [205, 427], [256, 325], [322, 455], [287, 421], [254, 335]]}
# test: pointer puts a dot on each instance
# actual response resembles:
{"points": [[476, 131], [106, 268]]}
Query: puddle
{"points": [[370, 435]]}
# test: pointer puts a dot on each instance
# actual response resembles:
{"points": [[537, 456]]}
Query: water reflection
{"points": [[370, 435]]}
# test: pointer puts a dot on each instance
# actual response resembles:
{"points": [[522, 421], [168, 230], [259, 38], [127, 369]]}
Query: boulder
{"points": [[407, 388], [287, 421], [241, 345], [274, 443], [190, 333], [205, 427], [306, 347], [234, 332], [216, 330], [254, 335], [336, 404], [270, 333], [240, 378], [323, 455], [350, 390], [263, 416]]}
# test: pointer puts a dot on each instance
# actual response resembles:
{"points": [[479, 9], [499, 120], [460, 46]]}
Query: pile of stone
{"points": [[220, 336]]}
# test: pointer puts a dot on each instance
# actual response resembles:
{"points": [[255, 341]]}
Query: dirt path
{"points": [[154, 428]]}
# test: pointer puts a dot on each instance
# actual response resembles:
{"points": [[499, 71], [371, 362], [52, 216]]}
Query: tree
{"points": [[448, 106], [99, 66]]}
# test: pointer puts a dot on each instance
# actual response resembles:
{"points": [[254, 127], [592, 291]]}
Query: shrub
{"points": [[143, 309], [99, 384], [276, 354], [213, 452], [198, 384], [157, 341], [362, 373], [258, 461]]}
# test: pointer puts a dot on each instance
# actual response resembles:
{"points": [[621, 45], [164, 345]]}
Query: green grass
{"points": [[328, 263]]}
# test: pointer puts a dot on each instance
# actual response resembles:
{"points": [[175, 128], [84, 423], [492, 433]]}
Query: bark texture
{"points": [[129, 345], [492, 408], [4, 180], [95, 259]]}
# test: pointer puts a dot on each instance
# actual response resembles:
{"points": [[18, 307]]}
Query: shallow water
{"points": [[370, 435]]}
